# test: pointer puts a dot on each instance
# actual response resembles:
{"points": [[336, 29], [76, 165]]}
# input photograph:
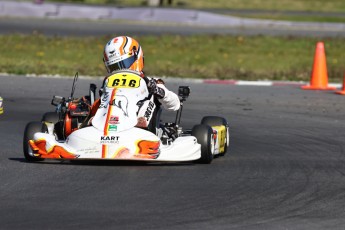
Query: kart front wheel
{"points": [[219, 121], [204, 134], [30, 129]]}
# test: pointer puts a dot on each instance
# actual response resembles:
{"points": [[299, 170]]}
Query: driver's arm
{"points": [[170, 101], [167, 98]]}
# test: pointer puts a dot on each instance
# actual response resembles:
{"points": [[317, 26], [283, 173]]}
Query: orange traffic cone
{"points": [[319, 76], [342, 91]]}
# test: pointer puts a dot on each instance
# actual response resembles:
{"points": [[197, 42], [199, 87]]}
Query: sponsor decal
{"points": [[109, 139], [112, 128], [114, 120], [90, 150], [149, 110]]}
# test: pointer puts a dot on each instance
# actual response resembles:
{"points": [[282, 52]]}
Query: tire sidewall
{"points": [[218, 121], [30, 129], [203, 134]]}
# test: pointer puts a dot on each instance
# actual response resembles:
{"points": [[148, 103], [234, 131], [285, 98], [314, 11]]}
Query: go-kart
{"points": [[110, 129]]}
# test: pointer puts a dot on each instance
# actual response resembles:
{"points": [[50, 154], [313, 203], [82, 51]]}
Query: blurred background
{"points": [[224, 39]]}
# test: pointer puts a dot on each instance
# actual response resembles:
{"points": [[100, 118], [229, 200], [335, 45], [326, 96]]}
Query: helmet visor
{"points": [[123, 64]]}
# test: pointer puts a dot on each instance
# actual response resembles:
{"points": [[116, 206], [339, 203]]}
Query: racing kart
{"points": [[109, 127]]}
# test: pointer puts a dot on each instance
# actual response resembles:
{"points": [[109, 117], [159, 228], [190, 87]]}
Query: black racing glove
{"points": [[155, 90]]}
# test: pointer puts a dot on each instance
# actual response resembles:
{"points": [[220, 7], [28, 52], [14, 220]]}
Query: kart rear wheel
{"points": [[218, 121], [30, 129], [52, 117], [203, 134]]}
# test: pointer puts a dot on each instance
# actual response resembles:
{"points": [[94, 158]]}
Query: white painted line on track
{"points": [[255, 83]]}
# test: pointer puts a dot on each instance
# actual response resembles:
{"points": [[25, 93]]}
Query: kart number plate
{"points": [[221, 130], [126, 80]]}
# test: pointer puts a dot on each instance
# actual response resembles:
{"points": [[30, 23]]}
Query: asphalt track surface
{"points": [[69, 27], [58, 19], [284, 168]]}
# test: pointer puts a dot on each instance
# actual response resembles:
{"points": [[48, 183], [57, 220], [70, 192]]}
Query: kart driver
{"points": [[125, 53]]}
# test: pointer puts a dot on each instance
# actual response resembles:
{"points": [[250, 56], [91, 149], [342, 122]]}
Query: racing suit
{"points": [[163, 96], [168, 99]]}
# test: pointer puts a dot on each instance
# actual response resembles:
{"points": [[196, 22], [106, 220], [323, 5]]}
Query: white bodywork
{"points": [[113, 134]]}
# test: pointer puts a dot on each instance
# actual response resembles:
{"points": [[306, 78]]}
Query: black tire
{"points": [[52, 117], [213, 121], [203, 134], [218, 121], [30, 129]]}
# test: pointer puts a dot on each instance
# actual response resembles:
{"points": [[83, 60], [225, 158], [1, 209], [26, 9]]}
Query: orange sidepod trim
{"points": [[68, 125], [56, 152], [147, 149], [122, 153]]}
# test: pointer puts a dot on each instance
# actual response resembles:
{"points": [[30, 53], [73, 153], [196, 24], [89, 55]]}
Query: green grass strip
{"points": [[281, 5], [199, 56]]}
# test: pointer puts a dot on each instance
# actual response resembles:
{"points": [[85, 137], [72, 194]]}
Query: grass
{"points": [[298, 5], [278, 10], [294, 18], [281, 5], [199, 56]]}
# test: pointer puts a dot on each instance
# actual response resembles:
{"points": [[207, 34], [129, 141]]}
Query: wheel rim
{"points": [[212, 144], [227, 137]]}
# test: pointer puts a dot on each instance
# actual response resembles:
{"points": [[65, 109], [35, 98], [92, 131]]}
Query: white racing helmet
{"points": [[123, 53]]}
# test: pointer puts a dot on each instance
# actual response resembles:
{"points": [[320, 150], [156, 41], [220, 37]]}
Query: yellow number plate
{"points": [[221, 137], [124, 80]]}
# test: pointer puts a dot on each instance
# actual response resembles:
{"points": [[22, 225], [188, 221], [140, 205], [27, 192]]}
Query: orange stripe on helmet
{"points": [[124, 42]]}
